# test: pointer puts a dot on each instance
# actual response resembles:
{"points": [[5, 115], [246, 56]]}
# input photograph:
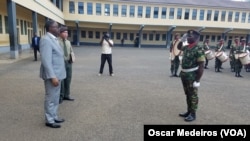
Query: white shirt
{"points": [[106, 49]]}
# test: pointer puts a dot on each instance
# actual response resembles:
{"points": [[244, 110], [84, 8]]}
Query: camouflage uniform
{"points": [[175, 62], [232, 57], [205, 48], [191, 57], [218, 63], [238, 64]]}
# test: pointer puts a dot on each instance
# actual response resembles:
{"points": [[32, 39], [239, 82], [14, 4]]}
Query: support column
{"points": [[140, 34], [54, 1], [77, 33], [34, 22], [248, 38], [169, 32], [60, 5], [110, 30], [223, 35], [11, 9]]}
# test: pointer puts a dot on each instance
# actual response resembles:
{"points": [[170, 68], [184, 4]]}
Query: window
{"points": [[151, 37], [140, 11], [115, 10], [171, 13], [98, 8], [107, 9], [90, 8], [186, 16], [179, 13], [118, 35], [157, 37], [201, 15], [163, 12], [223, 16], [216, 15], [148, 11], [97, 35], [112, 35], [69, 33], [6, 24], [80, 8], [230, 16], [132, 11], [156, 12], [17, 22], [90, 34], [125, 35], [218, 37], [25, 27], [248, 17], [1, 25], [145, 36], [201, 38], [194, 15], [243, 17], [124, 10], [213, 38], [209, 15], [21, 27], [131, 36], [164, 36], [83, 34], [207, 37], [237, 17], [71, 7]]}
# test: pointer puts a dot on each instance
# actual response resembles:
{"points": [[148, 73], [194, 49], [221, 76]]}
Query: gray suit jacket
{"points": [[52, 59]]}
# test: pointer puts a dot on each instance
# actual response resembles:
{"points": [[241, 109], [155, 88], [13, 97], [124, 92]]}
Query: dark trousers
{"points": [[191, 95], [107, 57], [175, 65], [36, 49], [65, 85]]}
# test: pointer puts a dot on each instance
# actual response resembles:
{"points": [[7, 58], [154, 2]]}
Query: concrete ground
{"points": [[115, 108]]}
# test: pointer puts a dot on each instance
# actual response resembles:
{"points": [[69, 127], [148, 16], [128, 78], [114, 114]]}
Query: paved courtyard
{"points": [[115, 108]]}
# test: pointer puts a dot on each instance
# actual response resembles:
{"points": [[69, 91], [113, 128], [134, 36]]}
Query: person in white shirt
{"points": [[107, 45]]}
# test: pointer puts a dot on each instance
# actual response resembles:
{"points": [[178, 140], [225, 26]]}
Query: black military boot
{"points": [[239, 75], [190, 117], [184, 114]]}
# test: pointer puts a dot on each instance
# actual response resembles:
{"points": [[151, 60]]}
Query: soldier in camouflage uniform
{"points": [[175, 61], [219, 47], [205, 48], [232, 54], [240, 49], [191, 73]]}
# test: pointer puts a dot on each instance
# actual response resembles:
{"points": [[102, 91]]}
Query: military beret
{"points": [[193, 33], [63, 28]]}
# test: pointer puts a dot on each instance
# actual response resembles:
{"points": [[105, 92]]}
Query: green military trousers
{"points": [[191, 95], [65, 85]]}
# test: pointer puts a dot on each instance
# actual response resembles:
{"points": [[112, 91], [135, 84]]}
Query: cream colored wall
{"points": [[151, 21], [43, 7], [21, 14]]}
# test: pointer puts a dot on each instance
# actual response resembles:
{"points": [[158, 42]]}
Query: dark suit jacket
{"points": [[33, 42]]}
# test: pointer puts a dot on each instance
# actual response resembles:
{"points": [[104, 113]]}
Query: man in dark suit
{"points": [[35, 45], [52, 71]]}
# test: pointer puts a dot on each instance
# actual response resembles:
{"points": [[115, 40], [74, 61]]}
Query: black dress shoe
{"points": [[53, 125], [184, 114], [59, 120], [190, 117], [68, 98]]}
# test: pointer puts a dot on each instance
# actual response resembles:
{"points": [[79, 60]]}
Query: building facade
{"points": [[149, 23]]}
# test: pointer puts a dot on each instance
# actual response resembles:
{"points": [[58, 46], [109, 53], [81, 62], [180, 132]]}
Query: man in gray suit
{"points": [[52, 71]]}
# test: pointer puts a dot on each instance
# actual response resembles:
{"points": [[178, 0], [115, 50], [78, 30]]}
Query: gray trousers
{"points": [[51, 102]]}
